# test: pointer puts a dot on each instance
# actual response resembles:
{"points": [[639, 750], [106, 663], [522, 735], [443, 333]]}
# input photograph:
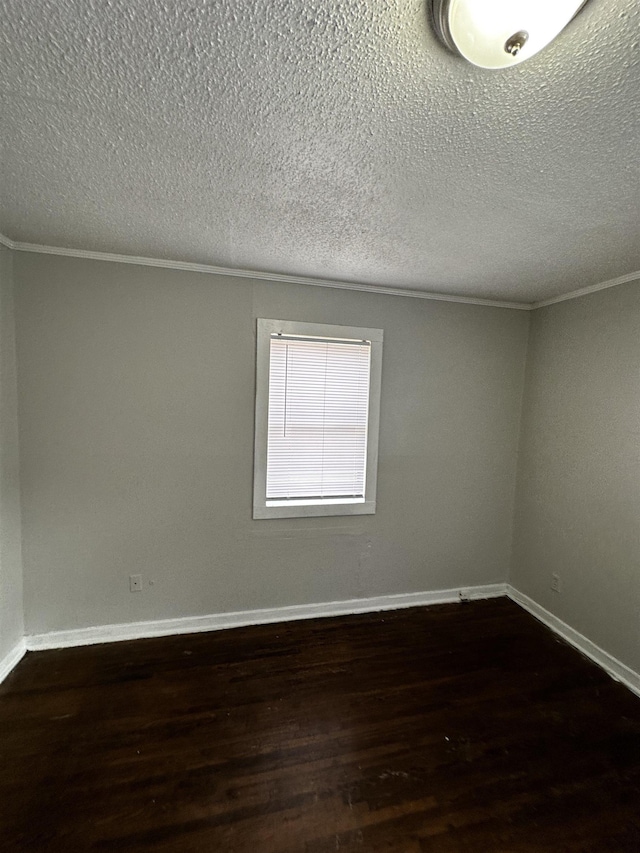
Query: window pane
{"points": [[317, 425]]}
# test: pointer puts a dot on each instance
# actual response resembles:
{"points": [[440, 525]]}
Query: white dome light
{"points": [[501, 33]]}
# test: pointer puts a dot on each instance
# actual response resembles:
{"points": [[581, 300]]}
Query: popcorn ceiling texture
{"points": [[327, 138]]}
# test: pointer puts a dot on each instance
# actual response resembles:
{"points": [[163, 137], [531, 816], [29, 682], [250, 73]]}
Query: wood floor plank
{"points": [[452, 728]]}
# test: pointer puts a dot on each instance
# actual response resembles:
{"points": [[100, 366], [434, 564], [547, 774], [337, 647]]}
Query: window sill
{"points": [[291, 510]]}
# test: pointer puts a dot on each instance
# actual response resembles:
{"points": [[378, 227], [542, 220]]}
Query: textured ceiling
{"points": [[325, 138]]}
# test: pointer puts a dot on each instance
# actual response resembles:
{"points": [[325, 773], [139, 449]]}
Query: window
{"points": [[317, 413]]}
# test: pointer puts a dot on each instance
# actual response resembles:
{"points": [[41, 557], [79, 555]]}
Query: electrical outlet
{"points": [[135, 583], [556, 583]]}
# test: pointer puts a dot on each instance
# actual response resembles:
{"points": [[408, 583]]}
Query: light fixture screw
{"points": [[516, 42]]}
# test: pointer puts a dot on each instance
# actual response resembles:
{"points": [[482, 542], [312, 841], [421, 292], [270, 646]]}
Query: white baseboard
{"points": [[218, 621], [615, 668], [12, 659]]}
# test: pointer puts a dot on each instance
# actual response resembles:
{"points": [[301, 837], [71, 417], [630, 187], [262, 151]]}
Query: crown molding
{"points": [[188, 266], [585, 291], [5, 241]]}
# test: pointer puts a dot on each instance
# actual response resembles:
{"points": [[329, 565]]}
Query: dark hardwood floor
{"points": [[463, 727]]}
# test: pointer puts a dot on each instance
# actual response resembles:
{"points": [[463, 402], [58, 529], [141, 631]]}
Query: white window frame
{"points": [[338, 506]]}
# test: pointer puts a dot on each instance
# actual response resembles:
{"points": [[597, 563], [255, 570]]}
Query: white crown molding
{"points": [[188, 266], [219, 621], [12, 659], [585, 291], [615, 668]]}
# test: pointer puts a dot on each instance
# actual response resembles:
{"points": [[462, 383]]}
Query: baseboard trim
{"points": [[219, 621], [615, 668], [12, 659]]}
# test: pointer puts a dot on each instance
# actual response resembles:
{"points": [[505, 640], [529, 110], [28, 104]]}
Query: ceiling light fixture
{"points": [[500, 33]]}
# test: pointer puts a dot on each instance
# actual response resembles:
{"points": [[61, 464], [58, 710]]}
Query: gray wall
{"points": [[11, 609], [578, 504], [136, 395]]}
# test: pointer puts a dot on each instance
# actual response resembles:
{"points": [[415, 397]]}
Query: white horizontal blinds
{"points": [[318, 411]]}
